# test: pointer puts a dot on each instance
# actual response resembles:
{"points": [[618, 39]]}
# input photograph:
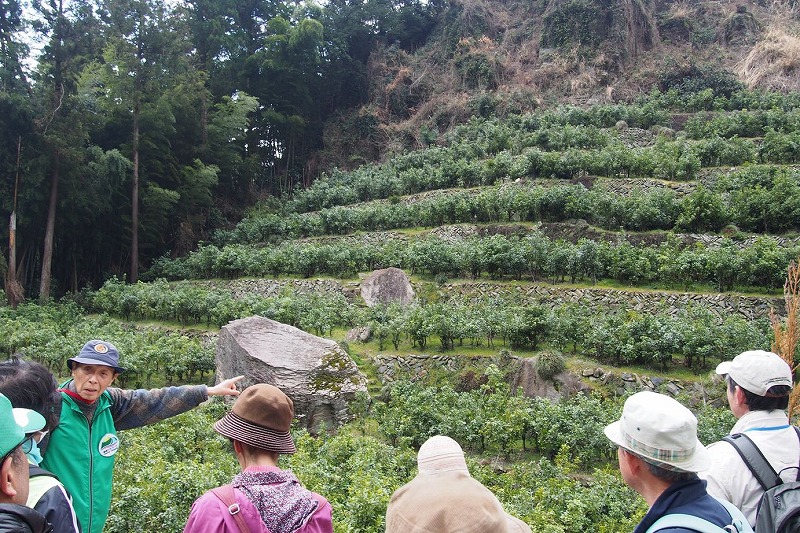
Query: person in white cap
{"points": [[758, 387], [659, 457], [443, 497]]}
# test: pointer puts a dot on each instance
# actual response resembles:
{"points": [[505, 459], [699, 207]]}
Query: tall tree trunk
{"points": [[135, 199], [47, 253], [14, 291], [203, 124], [57, 101]]}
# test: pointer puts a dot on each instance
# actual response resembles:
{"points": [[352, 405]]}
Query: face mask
{"points": [[31, 449]]}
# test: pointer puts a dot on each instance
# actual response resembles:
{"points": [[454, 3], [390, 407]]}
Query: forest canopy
{"points": [[141, 125]]}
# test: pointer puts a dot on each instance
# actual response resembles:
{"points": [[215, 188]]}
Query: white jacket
{"points": [[729, 477]]}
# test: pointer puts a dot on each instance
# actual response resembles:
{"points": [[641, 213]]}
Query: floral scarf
{"points": [[283, 503]]}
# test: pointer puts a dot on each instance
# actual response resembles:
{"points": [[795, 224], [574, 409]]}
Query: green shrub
{"points": [[549, 363]]}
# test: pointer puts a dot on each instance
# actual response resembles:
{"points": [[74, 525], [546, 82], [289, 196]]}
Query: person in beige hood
{"points": [[445, 498]]}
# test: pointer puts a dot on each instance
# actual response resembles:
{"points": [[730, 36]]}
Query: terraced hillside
{"points": [[656, 233], [652, 238]]}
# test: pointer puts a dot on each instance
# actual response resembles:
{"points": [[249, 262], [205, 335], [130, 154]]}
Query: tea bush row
{"points": [[759, 198], [754, 114], [314, 312], [50, 334], [695, 336], [488, 150], [566, 482], [516, 257], [357, 472]]}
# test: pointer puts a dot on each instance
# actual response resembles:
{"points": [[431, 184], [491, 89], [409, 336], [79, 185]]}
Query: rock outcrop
{"points": [[316, 373], [562, 385], [386, 286]]}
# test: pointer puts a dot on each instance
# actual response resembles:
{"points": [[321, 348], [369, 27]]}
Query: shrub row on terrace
{"points": [[695, 334], [775, 118], [515, 257], [357, 468], [442, 168], [53, 333], [760, 198], [571, 485]]}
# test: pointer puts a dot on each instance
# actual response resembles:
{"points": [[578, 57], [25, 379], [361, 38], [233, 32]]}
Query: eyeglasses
{"points": [[27, 444], [31, 440]]}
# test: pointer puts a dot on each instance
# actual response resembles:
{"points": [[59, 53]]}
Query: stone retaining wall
{"points": [[721, 304], [524, 377]]}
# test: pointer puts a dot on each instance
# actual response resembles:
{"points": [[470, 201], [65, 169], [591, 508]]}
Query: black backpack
{"points": [[779, 508]]}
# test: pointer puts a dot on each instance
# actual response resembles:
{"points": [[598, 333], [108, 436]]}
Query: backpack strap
{"points": [[797, 430], [685, 521], [755, 460], [225, 493], [739, 523], [738, 520]]}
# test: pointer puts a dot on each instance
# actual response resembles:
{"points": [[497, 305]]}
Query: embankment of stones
{"points": [[316, 373], [721, 304], [525, 378]]}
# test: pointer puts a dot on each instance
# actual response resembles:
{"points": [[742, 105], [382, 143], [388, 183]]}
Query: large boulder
{"points": [[562, 385], [386, 286], [316, 373]]}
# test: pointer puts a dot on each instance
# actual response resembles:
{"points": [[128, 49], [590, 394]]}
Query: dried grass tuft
{"points": [[786, 332], [681, 9], [774, 62]]}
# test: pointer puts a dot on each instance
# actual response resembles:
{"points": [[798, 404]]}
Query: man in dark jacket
{"points": [[14, 515], [659, 457]]}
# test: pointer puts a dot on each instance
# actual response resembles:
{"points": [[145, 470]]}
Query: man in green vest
{"points": [[82, 448]]}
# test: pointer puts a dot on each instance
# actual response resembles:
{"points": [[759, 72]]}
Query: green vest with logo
{"points": [[82, 456]]}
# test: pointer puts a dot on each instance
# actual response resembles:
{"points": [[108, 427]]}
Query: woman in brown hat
{"points": [[262, 498]]}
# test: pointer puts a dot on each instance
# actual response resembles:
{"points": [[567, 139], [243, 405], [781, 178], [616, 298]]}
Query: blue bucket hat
{"points": [[97, 352], [11, 433]]}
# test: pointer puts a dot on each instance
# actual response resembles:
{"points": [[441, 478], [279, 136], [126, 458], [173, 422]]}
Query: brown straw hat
{"points": [[261, 417]]}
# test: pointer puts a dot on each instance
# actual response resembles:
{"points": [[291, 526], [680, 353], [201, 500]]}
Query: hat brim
{"points": [[237, 428], [724, 368], [699, 461], [29, 420], [90, 361]]}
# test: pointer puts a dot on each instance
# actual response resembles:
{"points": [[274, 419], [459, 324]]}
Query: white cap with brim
{"points": [[661, 431], [757, 371], [29, 420]]}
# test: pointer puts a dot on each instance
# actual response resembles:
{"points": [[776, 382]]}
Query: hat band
{"points": [[659, 454]]}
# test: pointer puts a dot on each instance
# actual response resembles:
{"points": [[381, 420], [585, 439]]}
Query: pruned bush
{"points": [[549, 363]]}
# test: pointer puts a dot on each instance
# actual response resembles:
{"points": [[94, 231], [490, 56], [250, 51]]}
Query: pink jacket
{"points": [[210, 515]]}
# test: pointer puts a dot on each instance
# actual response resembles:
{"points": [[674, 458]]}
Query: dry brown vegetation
{"points": [[774, 62], [786, 331], [492, 52]]}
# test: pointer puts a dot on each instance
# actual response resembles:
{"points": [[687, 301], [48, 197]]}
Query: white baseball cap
{"points": [[757, 371], [30, 421], [661, 431]]}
